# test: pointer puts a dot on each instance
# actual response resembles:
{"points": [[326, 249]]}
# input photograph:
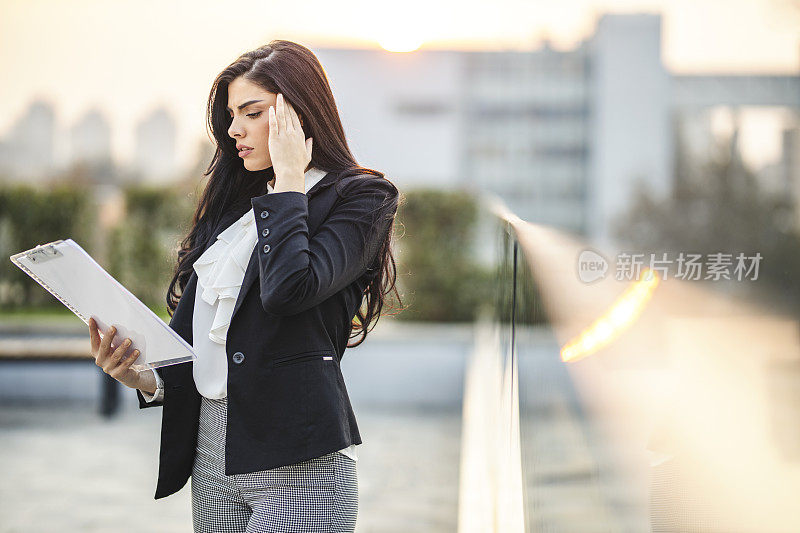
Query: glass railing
{"points": [[599, 399]]}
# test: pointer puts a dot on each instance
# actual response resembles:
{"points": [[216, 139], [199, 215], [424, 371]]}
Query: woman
{"points": [[290, 237]]}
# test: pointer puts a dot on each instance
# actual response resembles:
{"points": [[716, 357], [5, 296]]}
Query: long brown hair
{"points": [[293, 70]]}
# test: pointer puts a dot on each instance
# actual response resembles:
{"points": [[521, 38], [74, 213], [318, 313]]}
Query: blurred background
{"points": [[597, 252]]}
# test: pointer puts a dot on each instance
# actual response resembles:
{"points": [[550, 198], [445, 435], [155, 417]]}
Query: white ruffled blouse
{"points": [[220, 272]]}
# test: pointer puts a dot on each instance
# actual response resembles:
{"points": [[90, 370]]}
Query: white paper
{"points": [[74, 277]]}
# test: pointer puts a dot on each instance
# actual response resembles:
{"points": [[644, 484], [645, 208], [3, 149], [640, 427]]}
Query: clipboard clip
{"points": [[43, 253]]}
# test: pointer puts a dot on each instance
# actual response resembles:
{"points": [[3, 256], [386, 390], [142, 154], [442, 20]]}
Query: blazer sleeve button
{"points": [[265, 232], [264, 214], [266, 248], [238, 357]]}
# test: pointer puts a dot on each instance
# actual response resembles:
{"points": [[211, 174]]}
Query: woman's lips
{"points": [[245, 153]]}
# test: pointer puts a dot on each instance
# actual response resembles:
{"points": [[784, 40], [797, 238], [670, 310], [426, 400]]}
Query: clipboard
{"points": [[70, 274]]}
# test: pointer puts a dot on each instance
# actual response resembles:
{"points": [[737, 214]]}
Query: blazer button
{"points": [[266, 248], [264, 214], [265, 232], [238, 357]]}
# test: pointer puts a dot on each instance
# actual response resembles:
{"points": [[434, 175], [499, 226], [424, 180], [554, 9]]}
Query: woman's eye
{"points": [[254, 115]]}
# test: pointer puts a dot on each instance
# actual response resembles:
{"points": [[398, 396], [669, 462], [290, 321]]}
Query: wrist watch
{"points": [[159, 394]]}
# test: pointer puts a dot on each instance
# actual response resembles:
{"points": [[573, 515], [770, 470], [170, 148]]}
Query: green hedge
{"points": [[146, 242], [438, 277], [30, 216]]}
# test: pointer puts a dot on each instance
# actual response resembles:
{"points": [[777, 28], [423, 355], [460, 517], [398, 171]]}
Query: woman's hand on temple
{"points": [[289, 150]]}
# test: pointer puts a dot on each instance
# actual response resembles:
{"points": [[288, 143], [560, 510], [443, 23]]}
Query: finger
{"points": [[294, 122], [129, 361], [287, 113], [113, 361], [273, 120], [124, 365], [119, 353], [278, 109], [94, 335], [281, 113], [105, 344], [296, 119]]}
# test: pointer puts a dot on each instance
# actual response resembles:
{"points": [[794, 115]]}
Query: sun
{"points": [[400, 43]]}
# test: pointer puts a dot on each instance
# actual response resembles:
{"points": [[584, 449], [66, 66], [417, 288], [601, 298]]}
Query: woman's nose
{"points": [[234, 129]]}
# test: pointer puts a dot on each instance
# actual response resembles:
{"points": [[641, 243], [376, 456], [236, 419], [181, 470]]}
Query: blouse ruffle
{"points": [[221, 268]]}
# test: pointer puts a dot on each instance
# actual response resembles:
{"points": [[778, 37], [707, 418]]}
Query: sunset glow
{"points": [[618, 318], [400, 43]]}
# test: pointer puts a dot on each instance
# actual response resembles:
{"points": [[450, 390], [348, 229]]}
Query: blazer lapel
{"points": [[181, 320], [251, 273]]}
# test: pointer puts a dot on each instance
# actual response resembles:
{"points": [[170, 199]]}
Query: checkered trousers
{"points": [[317, 495]]}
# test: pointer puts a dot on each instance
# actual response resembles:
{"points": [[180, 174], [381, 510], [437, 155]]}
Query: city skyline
{"points": [[562, 136], [110, 67]]}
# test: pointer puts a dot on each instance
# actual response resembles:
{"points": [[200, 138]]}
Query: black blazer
{"points": [[315, 255]]}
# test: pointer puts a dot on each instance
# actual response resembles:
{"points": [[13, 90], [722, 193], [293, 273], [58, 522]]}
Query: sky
{"points": [[127, 57]]}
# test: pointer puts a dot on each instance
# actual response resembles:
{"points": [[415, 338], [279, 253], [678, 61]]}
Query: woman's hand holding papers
{"points": [[111, 359]]}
